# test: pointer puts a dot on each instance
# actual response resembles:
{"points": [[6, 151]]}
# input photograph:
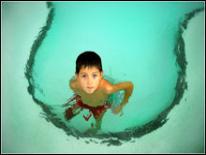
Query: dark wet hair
{"points": [[88, 59]]}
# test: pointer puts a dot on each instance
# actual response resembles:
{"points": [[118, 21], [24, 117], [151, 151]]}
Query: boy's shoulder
{"points": [[73, 83], [107, 86]]}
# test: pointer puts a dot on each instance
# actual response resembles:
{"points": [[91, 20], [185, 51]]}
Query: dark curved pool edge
{"points": [[128, 134]]}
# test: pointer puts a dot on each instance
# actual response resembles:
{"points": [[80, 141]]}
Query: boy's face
{"points": [[89, 79]]}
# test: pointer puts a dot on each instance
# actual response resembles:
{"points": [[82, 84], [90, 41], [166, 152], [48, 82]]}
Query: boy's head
{"points": [[89, 71], [88, 59]]}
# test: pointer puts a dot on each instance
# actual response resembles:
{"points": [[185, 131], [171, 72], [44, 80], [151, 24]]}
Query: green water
{"points": [[136, 41]]}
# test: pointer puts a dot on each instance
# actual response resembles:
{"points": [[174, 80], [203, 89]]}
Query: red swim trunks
{"points": [[95, 111]]}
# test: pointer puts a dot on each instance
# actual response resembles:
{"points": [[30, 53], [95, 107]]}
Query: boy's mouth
{"points": [[90, 87]]}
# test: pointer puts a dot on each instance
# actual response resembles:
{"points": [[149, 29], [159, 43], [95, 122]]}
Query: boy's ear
{"points": [[102, 73]]}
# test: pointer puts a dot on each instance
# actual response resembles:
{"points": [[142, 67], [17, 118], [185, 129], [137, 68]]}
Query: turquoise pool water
{"points": [[140, 42], [51, 65]]}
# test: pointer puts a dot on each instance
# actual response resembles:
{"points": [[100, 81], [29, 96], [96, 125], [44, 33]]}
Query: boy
{"points": [[92, 90]]}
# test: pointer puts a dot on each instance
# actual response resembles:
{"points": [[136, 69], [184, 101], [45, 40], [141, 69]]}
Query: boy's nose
{"points": [[89, 81]]}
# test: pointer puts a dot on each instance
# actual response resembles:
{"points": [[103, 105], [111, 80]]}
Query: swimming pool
{"points": [[149, 63]]}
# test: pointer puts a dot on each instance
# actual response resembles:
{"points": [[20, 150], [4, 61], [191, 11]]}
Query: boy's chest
{"points": [[96, 99]]}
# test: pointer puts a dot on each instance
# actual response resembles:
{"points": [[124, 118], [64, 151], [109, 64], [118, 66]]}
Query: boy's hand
{"points": [[117, 109]]}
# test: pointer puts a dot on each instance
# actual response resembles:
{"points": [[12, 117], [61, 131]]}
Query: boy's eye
{"points": [[94, 75], [83, 76]]}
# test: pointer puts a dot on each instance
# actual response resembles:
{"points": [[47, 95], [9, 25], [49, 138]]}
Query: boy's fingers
{"points": [[121, 114]]}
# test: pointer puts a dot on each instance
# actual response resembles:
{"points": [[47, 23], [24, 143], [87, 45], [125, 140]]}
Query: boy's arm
{"points": [[126, 86]]}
